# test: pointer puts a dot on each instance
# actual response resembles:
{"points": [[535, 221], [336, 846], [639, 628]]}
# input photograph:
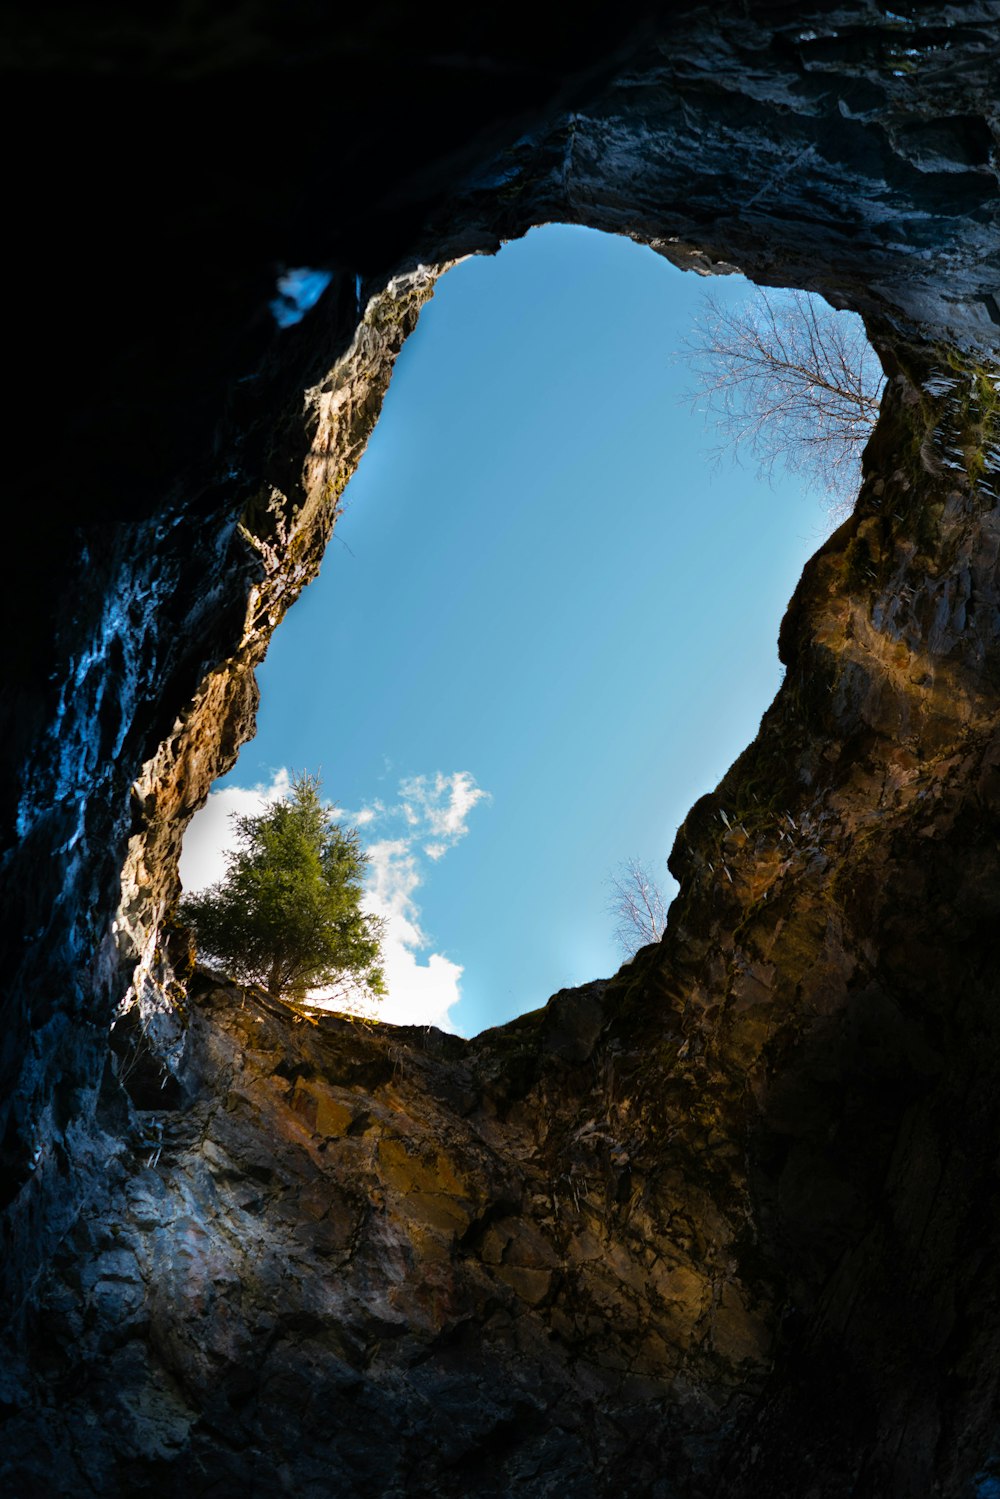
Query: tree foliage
{"points": [[638, 906], [287, 915], [786, 377]]}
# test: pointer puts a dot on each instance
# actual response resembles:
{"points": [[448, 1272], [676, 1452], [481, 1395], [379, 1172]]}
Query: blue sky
{"points": [[545, 624]]}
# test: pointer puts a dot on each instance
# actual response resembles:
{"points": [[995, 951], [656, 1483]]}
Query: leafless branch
{"points": [[637, 905], [786, 378]]}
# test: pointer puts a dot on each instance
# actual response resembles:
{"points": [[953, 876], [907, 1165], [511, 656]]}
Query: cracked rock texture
{"points": [[721, 1225]]}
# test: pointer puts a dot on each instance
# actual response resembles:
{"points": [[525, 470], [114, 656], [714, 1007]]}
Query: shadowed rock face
{"points": [[724, 1224]]}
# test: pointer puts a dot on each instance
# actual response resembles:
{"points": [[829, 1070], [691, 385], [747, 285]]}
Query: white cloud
{"points": [[393, 877], [442, 805], [420, 991], [367, 814], [210, 835], [435, 807]]}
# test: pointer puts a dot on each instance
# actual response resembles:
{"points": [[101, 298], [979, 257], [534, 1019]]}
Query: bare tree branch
{"points": [[637, 904], [785, 377]]}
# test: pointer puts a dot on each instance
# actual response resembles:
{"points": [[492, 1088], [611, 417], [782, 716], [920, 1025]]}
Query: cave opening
{"points": [[723, 1224], [548, 619]]}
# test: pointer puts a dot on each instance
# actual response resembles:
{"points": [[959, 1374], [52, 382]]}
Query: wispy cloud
{"points": [[367, 814], [429, 818], [420, 991], [439, 805]]}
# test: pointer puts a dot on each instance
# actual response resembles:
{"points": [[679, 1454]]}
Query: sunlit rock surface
{"points": [[391, 1261], [724, 1225]]}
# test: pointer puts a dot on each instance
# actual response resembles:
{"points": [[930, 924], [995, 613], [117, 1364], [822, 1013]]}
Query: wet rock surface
{"points": [[724, 1224]]}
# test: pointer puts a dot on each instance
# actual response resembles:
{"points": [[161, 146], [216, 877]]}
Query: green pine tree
{"points": [[288, 914]]}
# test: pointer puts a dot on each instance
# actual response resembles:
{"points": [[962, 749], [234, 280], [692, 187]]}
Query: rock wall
{"points": [[723, 1225]]}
